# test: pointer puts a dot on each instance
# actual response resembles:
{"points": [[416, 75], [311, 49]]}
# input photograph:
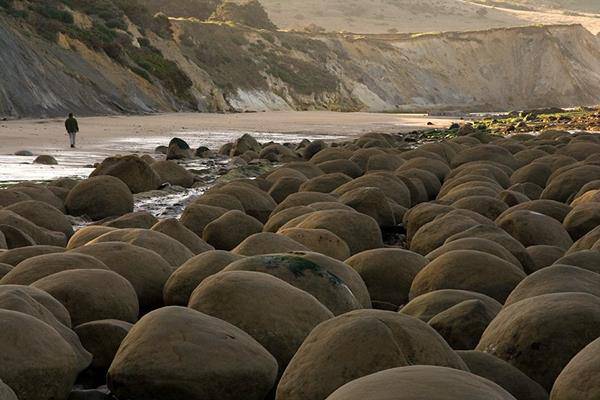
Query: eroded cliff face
{"points": [[237, 68]]}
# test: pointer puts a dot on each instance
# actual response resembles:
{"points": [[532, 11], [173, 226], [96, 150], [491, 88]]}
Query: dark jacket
{"points": [[71, 125]]}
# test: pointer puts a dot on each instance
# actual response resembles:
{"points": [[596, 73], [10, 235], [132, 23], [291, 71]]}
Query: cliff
{"points": [[185, 64]]}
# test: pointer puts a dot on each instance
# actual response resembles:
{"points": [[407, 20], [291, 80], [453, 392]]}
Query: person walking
{"points": [[72, 129]]}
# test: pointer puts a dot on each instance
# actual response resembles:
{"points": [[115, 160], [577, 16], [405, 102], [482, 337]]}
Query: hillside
{"points": [[93, 61], [383, 16]]}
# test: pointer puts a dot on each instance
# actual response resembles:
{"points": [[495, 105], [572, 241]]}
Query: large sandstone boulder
{"points": [[159, 359], [144, 269], [86, 234], [532, 228], [556, 279], [325, 183], [230, 229], [35, 268], [371, 201], [495, 234], [284, 187], [173, 251], [302, 272], [185, 279], [543, 256], [502, 373], [47, 301], [486, 152], [586, 259], [468, 270], [255, 201], [551, 208], [388, 274], [276, 314], [387, 182], [14, 238], [359, 231], [176, 230], [100, 197], [43, 215], [267, 243], [463, 324], [421, 382], [320, 241], [277, 220], [92, 294], [178, 149], [12, 196], [361, 343], [546, 330], [303, 199], [477, 244], [138, 219], [102, 339], [579, 379], [582, 219], [195, 217], [489, 207], [346, 167], [437, 167], [243, 144], [221, 200], [40, 193], [566, 184], [173, 173], [38, 234], [430, 182], [132, 170], [15, 298], [37, 363], [428, 305]]}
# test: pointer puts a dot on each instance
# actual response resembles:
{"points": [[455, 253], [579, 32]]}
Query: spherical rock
{"points": [[173, 173], [361, 343], [102, 339], [579, 379], [86, 234], [543, 256], [276, 314], [502, 373], [37, 363], [303, 199], [132, 170], [545, 330], [256, 202], [92, 294], [195, 217], [143, 366], [47, 301], [468, 270], [139, 219], [277, 220], [487, 206], [477, 244], [35, 268], [421, 382], [43, 215], [179, 150], [173, 251], [586, 259], [38, 234], [305, 274], [230, 229], [388, 273], [143, 268], [463, 324], [100, 197], [387, 182], [556, 279], [284, 187], [359, 231], [370, 201], [267, 243], [346, 167], [185, 279], [531, 228], [220, 200], [320, 241], [428, 305], [176, 230]]}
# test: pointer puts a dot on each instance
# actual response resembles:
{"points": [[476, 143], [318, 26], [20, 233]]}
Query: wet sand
{"points": [[106, 133]]}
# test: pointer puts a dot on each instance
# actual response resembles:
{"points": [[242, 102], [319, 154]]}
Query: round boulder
{"points": [[143, 366], [102, 339], [100, 197], [361, 343], [579, 379], [546, 330], [320, 241], [276, 314], [92, 294], [132, 170], [230, 229]]}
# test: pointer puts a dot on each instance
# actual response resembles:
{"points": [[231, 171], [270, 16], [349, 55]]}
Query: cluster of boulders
{"points": [[285, 287]]}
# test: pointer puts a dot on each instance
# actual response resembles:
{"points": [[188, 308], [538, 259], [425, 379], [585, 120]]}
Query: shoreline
{"points": [[48, 135]]}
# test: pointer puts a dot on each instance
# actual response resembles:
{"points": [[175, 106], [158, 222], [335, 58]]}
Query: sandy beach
{"points": [[97, 133]]}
